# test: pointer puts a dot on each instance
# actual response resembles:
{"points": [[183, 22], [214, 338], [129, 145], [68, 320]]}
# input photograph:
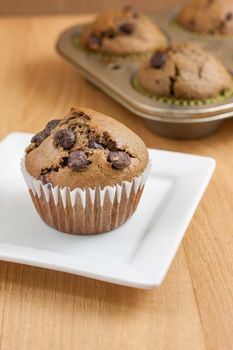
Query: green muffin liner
{"points": [[110, 57], [179, 102], [203, 35]]}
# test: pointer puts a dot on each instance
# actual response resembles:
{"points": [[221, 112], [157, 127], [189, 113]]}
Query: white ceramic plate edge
{"points": [[123, 274]]}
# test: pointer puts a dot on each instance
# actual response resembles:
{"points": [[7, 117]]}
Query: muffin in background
{"points": [[184, 72], [85, 172], [122, 32], [207, 16]]}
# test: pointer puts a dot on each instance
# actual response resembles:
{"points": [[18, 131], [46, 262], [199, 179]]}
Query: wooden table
{"points": [[25, 7], [43, 309]]}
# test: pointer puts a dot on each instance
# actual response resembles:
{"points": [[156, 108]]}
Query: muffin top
{"points": [[85, 149], [184, 71], [207, 16], [122, 32]]}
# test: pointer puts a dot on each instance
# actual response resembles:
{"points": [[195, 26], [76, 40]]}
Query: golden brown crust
{"points": [[145, 35], [48, 161], [207, 16], [188, 72]]}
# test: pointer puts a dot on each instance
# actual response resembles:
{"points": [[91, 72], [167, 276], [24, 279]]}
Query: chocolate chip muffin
{"points": [[207, 16], [122, 32], [85, 172], [184, 71]]}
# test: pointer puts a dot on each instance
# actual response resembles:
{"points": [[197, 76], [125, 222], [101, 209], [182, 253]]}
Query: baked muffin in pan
{"points": [[184, 74], [214, 17], [122, 33]]}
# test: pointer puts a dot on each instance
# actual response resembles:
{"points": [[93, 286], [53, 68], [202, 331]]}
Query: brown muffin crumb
{"points": [[86, 149], [184, 71], [122, 31], [209, 17]]}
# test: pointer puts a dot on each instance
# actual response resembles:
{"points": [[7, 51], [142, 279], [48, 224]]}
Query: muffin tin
{"points": [[114, 76]]}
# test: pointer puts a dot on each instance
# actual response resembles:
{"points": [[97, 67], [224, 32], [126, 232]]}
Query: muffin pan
{"points": [[114, 76]]}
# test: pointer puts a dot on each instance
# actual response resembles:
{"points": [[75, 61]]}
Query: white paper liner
{"points": [[115, 191]]}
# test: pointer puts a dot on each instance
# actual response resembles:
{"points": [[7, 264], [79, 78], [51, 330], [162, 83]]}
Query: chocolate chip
{"points": [[131, 10], [95, 145], [126, 28], [158, 60], [64, 138], [229, 16], [78, 161], [94, 42], [52, 124], [40, 137], [119, 159]]}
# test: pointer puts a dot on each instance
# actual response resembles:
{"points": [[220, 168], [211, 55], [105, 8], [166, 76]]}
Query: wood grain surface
{"points": [[28, 7], [43, 309]]}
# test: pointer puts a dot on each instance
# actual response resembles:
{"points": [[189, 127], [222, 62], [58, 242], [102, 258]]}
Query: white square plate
{"points": [[138, 254]]}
